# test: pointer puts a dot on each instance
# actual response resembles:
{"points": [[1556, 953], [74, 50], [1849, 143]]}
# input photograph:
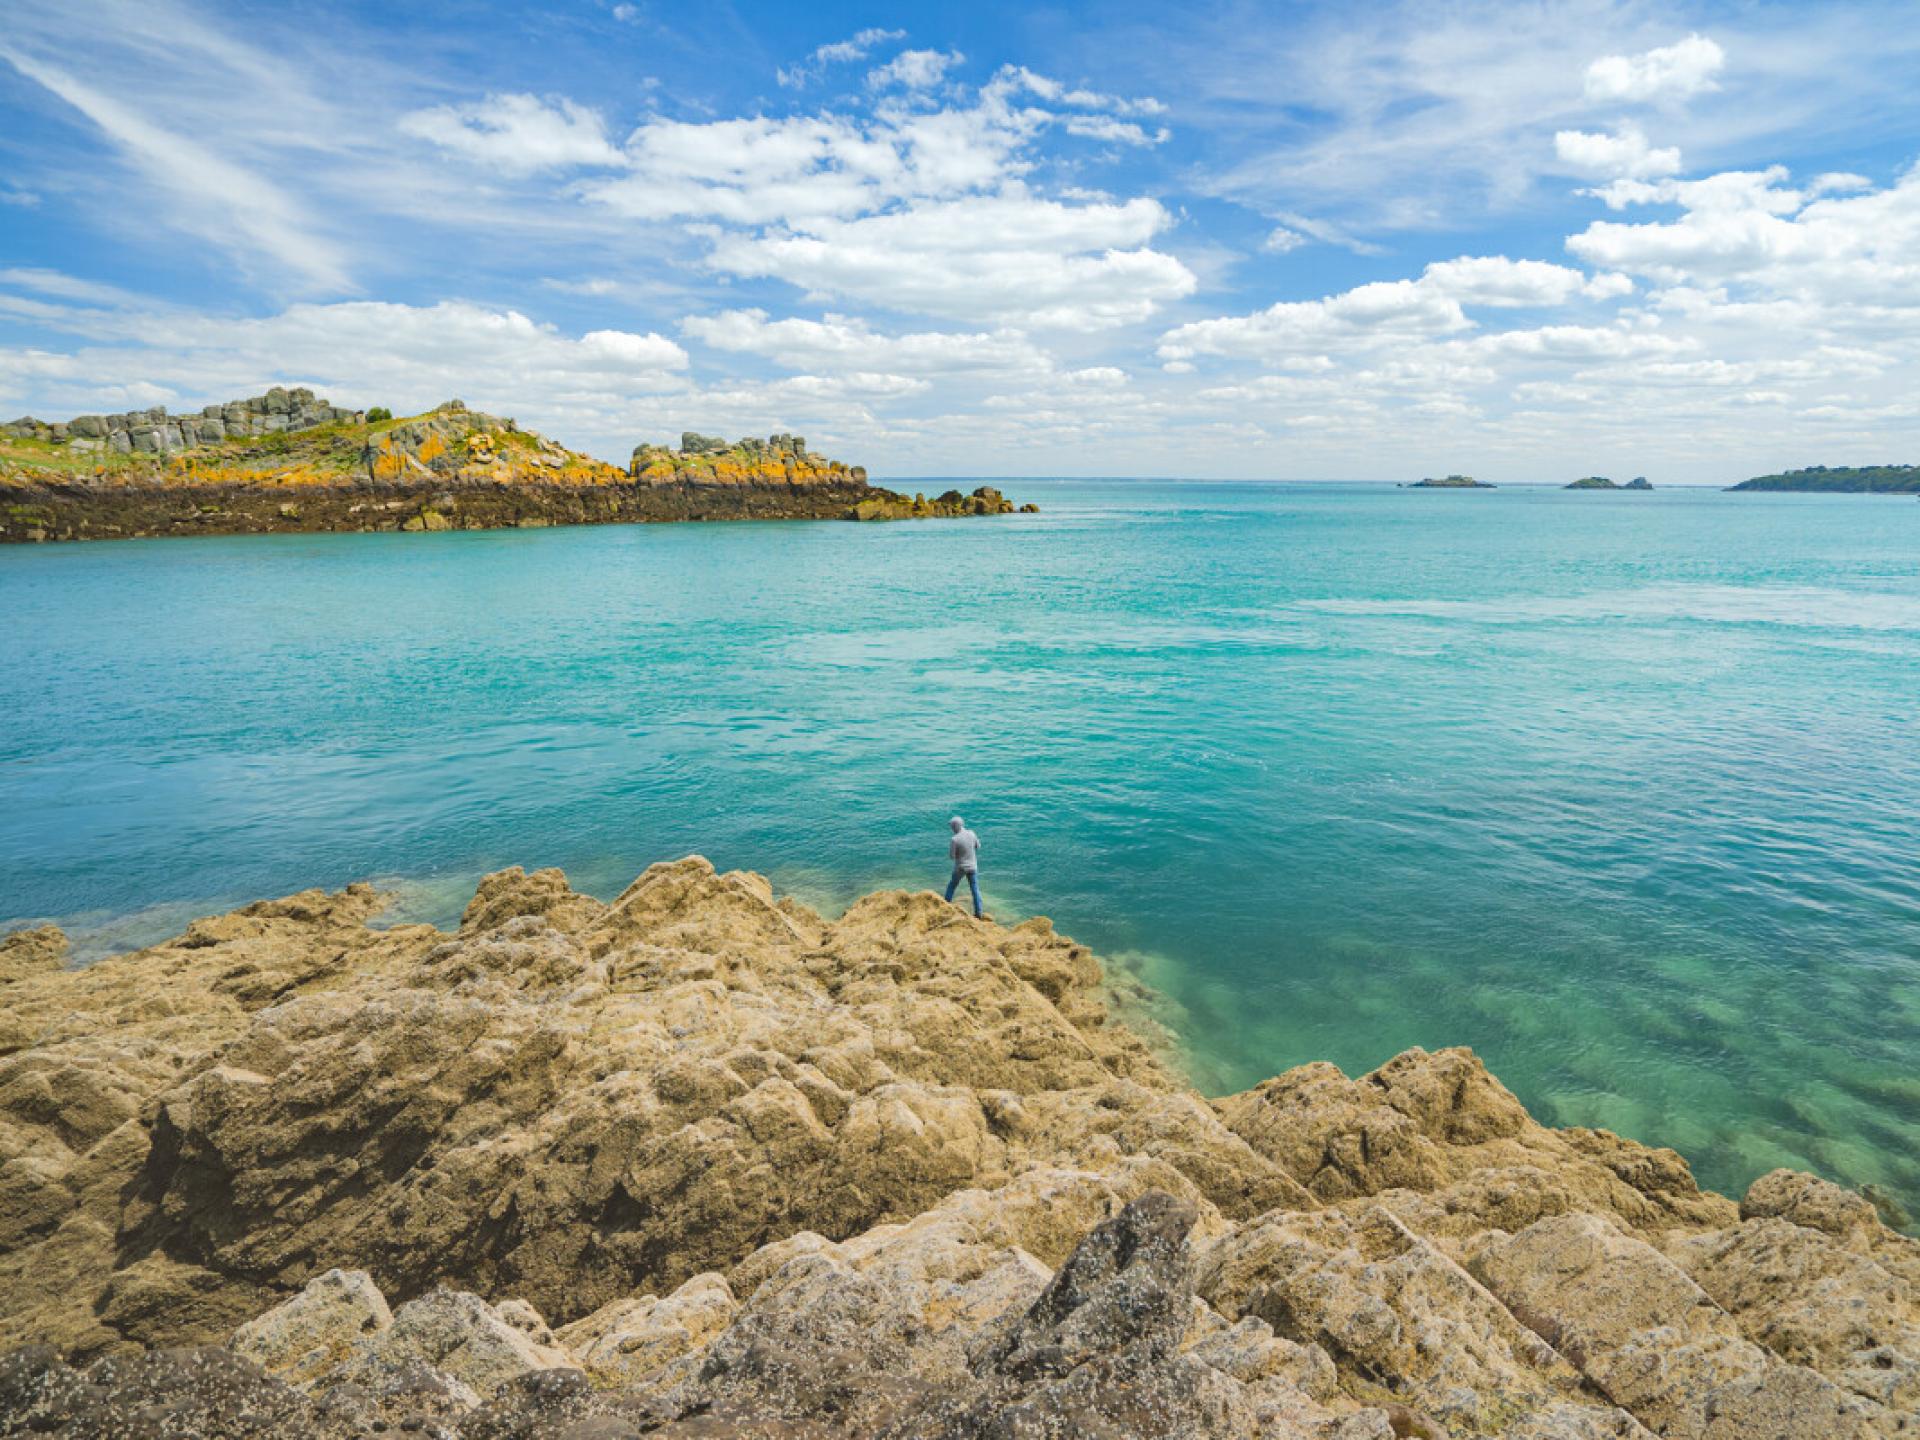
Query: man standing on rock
{"points": [[964, 850]]}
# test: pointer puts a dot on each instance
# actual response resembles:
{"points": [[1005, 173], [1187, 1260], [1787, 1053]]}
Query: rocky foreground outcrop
{"points": [[258, 466], [701, 1163]]}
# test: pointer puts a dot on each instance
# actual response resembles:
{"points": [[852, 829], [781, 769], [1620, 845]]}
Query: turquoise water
{"points": [[1623, 791]]}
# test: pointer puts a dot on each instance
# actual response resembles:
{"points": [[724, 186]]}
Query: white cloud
{"points": [[922, 210], [1751, 227], [1579, 342], [1103, 376], [214, 196], [914, 69], [1307, 227], [865, 384], [1498, 281], [854, 47], [1391, 312], [1122, 132], [1672, 72], [1384, 311], [66, 287], [795, 169], [1418, 114], [1625, 154], [962, 245], [753, 170], [408, 357], [1012, 257], [839, 340], [597, 285], [1018, 77], [517, 134]]}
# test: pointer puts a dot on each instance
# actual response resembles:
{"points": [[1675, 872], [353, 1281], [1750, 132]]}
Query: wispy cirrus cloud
{"points": [[1230, 241], [229, 204], [1431, 117]]}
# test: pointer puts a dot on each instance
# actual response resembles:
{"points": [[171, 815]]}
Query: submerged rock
{"points": [[701, 1162]]}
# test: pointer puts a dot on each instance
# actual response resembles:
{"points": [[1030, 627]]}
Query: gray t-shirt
{"points": [[965, 850]]}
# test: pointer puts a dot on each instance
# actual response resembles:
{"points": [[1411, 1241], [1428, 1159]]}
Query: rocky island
{"points": [[290, 461], [1601, 482], [1451, 482], [700, 1162], [1860, 479]]}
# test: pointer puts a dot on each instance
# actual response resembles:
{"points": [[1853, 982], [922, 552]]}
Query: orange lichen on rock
{"points": [[466, 469]]}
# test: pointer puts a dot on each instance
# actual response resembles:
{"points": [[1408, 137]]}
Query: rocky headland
{"points": [[289, 461], [700, 1162]]}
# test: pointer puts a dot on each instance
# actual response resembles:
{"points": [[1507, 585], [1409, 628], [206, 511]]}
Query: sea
{"points": [[1620, 790]]}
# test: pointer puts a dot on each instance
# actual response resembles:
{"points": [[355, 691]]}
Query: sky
{"points": [[1311, 241]]}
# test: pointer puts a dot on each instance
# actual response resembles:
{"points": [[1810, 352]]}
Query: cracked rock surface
{"points": [[701, 1163]]}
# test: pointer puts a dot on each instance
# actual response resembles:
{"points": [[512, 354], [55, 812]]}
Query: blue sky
{"points": [[1372, 241]]}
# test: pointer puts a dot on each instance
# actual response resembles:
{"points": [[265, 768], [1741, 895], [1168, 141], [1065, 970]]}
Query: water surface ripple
{"points": [[1621, 790]]}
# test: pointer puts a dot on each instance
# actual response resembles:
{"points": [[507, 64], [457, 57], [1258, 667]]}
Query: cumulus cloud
{"points": [[838, 52], [1624, 154], [838, 340], [408, 357], [909, 208], [1013, 257], [1379, 312], [914, 69], [1391, 312], [795, 169], [1496, 280], [957, 247], [517, 134], [1672, 72], [1755, 229]]}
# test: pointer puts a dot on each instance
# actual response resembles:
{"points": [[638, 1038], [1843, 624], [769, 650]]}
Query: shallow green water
{"points": [[1623, 791]]}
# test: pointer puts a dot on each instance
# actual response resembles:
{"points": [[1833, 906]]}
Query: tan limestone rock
{"points": [[318, 1329]]}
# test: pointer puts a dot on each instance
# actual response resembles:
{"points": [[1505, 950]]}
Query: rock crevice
{"points": [[700, 1162]]}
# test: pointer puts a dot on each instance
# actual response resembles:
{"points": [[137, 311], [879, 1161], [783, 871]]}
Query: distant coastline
{"points": [[1841, 479]]}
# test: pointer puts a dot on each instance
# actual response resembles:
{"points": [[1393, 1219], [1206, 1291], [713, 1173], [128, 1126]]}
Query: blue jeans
{"points": [[973, 884]]}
